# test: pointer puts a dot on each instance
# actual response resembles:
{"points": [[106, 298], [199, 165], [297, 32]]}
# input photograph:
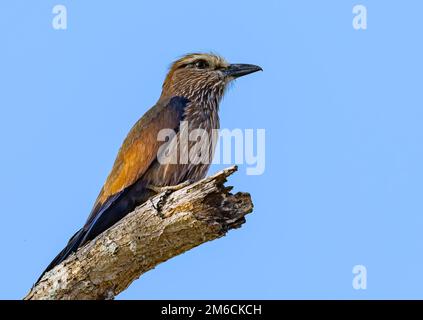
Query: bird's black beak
{"points": [[239, 70]]}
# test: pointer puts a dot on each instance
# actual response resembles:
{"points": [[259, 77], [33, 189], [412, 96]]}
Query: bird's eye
{"points": [[201, 64]]}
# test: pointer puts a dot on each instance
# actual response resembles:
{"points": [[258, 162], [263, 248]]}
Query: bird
{"points": [[191, 94]]}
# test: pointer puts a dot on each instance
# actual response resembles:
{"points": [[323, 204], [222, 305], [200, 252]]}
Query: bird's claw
{"points": [[158, 206], [167, 190]]}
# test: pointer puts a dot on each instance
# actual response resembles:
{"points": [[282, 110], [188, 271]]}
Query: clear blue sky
{"points": [[342, 109]]}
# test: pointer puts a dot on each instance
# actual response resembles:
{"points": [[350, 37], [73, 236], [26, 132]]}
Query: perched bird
{"points": [[191, 93]]}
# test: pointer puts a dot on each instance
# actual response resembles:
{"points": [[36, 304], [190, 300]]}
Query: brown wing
{"points": [[140, 148]]}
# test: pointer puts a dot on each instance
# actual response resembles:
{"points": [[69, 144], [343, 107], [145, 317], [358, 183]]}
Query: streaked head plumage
{"points": [[202, 75]]}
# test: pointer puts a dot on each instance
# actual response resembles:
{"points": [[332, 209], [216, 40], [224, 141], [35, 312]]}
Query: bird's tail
{"points": [[71, 247], [102, 218]]}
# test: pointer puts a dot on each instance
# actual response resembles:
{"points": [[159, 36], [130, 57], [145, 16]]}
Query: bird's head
{"points": [[203, 76]]}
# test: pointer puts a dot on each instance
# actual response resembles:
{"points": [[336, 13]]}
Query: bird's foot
{"points": [[166, 192], [169, 188]]}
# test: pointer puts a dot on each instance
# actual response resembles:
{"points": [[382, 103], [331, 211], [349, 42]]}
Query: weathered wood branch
{"points": [[156, 231]]}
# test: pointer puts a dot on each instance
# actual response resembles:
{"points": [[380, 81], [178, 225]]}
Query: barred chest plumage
{"points": [[190, 151]]}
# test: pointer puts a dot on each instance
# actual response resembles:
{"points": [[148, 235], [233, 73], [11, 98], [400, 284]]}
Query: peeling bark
{"points": [[166, 226]]}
